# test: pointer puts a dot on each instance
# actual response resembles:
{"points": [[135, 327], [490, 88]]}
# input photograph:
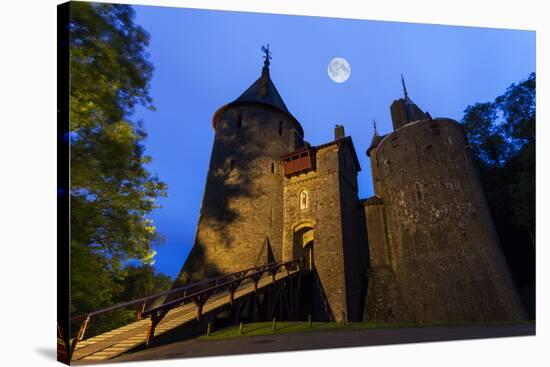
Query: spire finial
{"points": [[267, 56], [404, 86], [374, 126]]}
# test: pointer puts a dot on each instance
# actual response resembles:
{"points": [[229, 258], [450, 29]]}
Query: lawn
{"points": [[285, 327]]}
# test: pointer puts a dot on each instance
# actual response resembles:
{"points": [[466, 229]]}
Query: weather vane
{"points": [[267, 56], [404, 87], [374, 126]]}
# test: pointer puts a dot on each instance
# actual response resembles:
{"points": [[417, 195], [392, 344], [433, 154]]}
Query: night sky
{"points": [[204, 59]]}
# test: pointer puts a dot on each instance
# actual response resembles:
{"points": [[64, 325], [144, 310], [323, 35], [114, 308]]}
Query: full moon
{"points": [[339, 69]]}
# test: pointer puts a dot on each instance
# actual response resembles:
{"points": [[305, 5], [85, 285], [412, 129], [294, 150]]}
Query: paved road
{"points": [[326, 339]]}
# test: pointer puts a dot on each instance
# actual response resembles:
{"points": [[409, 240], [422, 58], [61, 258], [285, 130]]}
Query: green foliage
{"points": [[521, 188], [89, 275], [112, 192], [484, 134], [142, 280], [518, 105]]}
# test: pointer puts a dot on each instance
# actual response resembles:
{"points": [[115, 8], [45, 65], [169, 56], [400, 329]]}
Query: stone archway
{"points": [[303, 243]]}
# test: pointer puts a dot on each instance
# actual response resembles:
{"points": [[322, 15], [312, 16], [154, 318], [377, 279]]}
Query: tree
{"points": [[111, 190], [518, 105], [484, 134], [141, 281], [501, 134]]}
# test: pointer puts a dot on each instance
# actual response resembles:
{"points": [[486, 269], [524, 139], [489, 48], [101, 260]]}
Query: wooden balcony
{"points": [[300, 161]]}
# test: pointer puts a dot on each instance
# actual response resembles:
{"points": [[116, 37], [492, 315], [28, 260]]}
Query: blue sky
{"points": [[204, 59]]}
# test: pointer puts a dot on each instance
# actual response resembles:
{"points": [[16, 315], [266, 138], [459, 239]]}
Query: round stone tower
{"points": [[240, 222], [438, 236]]}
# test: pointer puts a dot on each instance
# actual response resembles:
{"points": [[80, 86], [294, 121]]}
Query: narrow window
{"points": [[295, 142], [280, 128], [418, 192], [304, 200], [239, 121], [272, 167], [231, 164]]}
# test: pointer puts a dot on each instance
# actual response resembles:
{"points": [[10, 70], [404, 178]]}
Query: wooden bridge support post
{"points": [[252, 306], [82, 329], [256, 278], [287, 269], [71, 344], [155, 319], [297, 296], [237, 310], [286, 297], [140, 311], [63, 334], [199, 302], [274, 301]]}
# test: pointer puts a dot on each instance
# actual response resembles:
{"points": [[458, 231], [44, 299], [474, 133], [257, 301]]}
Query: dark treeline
{"points": [[502, 136], [111, 190]]}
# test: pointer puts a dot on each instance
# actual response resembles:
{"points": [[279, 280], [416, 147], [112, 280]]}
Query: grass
{"points": [[286, 327]]}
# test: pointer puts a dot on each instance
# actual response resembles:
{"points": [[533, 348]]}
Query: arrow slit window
{"points": [[304, 200]]}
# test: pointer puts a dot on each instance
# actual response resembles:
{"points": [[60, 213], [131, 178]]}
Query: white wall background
{"points": [[28, 181]]}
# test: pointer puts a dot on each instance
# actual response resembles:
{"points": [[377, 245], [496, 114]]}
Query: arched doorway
{"points": [[303, 243]]}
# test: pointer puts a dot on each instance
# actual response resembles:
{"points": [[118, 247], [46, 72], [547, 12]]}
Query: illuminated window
{"points": [[304, 200]]}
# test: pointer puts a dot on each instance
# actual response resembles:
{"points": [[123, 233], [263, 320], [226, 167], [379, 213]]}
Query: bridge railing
{"points": [[197, 292], [229, 285]]}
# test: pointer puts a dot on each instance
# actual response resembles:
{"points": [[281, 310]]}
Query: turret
{"points": [[430, 220], [240, 222]]}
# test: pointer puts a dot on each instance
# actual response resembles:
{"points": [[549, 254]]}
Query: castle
{"points": [[423, 249]]}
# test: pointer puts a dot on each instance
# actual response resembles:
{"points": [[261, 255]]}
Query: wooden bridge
{"points": [[185, 308]]}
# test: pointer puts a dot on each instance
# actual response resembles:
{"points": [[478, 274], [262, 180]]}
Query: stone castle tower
{"points": [[434, 252], [422, 249], [241, 218]]}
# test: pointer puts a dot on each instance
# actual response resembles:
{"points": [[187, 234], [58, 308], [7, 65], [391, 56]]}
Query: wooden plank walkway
{"points": [[111, 344]]}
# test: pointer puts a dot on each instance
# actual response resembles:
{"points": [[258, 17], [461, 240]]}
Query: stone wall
{"points": [[384, 303], [353, 233], [332, 211]]}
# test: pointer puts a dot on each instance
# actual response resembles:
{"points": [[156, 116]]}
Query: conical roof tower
{"points": [[242, 203], [262, 91]]}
